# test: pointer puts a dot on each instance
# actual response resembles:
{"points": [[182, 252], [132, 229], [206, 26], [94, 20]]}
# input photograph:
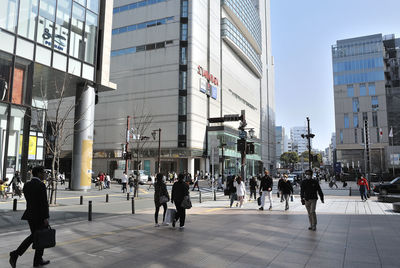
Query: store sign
{"points": [[59, 40], [204, 73], [208, 89]]}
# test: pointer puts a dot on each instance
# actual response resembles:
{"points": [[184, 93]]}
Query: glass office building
{"points": [[366, 83], [47, 46]]}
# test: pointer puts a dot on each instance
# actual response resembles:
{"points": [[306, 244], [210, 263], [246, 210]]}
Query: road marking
{"points": [[213, 209]]}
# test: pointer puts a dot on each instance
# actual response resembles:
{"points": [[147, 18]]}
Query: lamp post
{"points": [[154, 133], [308, 136], [126, 156]]}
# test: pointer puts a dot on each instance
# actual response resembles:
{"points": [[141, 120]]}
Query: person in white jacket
{"points": [[240, 189]]}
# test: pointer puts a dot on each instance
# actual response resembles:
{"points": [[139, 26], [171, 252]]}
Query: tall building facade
{"points": [[280, 143], [366, 83], [299, 144], [178, 63], [48, 46]]}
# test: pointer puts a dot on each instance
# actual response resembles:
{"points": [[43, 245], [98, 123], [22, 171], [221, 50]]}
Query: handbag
{"points": [[259, 200], [44, 238], [226, 192], [169, 216], [277, 194], [164, 199], [291, 198], [186, 203]]}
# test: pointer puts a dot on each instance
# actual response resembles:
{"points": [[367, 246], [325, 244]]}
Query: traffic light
{"points": [[127, 156], [250, 148], [241, 145]]}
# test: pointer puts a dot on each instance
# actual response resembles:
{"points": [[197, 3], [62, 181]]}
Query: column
{"points": [[82, 151], [191, 166]]}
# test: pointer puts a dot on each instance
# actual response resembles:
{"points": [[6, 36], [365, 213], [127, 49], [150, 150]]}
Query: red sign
{"points": [[207, 75]]}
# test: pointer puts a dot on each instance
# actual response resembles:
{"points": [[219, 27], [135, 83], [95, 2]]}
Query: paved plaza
{"points": [[350, 233]]}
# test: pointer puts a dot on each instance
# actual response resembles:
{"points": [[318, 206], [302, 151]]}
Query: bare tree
{"points": [[59, 121]]}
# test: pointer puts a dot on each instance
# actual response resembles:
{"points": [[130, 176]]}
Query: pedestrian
{"points": [[280, 185], [15, 183], [266, 189], [179, 190], [37, 215], [364, 187], [310, 189], [286, 190], [3, 188], [232, 189], [253, 188], [108, 180], [240, 189], [196, 182], [101, 181], [130, 183], [161, 197], [124, 181]]}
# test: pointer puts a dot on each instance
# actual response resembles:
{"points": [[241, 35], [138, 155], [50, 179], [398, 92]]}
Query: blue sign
{"points": [[338, 167], [214, 92]]}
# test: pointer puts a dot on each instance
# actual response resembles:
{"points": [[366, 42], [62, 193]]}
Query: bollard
{"points": [[199, 197], [133, 205], [349, 191], [106, 198], [215, 195], [90, 211], [81, 201], [127, 196], [15, 205]]}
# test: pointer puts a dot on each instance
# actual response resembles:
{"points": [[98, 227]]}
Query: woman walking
{"points": [[161, 197], [363, 183], [231, 189], [179, 190], [240, 189]]}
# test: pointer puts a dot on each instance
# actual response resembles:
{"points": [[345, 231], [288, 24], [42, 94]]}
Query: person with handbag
{"points": [[179, 191], [310, 189], [36, 213], [231, 190], [240, 189], [161, 197]]}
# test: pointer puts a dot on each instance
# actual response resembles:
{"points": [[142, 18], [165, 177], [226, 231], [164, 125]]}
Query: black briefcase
{"points": [[44, 238]]}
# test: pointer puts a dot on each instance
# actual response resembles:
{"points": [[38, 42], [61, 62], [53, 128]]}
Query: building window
{"points": [[76, 46], [356, 105], [378, 135], [371, 89], [355, 120], [350, 91], [182, 105], [136, 5], [184, 9], [90, 36], [374, 103], [362, 135], [182, 80], [62, 25], [341, 136], [184, 31], [365, 116], [363, 90], [27, 18], [47, 13], [8, 14], [93, 5], [346, 121], [181, 128], [143, 25], [374, 119], [355, 136], [183, 60]]}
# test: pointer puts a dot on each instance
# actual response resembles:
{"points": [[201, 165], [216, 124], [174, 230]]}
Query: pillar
{"points": [[191, 166], [82, 151]]}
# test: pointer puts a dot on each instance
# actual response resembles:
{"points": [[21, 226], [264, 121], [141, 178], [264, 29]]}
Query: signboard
{"points": [[338, 167], [395, 159], [214, 92], [203, 85], [242, 134]]}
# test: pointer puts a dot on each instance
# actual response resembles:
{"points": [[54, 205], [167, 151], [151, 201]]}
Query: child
{"points": [[3, 188]]}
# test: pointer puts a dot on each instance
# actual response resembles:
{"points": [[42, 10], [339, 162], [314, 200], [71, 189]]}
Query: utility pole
{"points": [[366, 151], [153, 133], [309, 136], [128, 119]]}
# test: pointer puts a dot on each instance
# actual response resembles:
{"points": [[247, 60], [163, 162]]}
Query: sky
{"points": [[302, 35]]}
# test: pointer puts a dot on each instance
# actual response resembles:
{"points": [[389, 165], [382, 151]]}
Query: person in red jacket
{"points": [[364, 187]]}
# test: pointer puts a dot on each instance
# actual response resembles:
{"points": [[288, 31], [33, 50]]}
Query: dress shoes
{"points": [[13, 259], [41, 263]]}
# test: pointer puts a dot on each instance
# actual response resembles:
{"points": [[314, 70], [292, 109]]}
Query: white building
{"points": [[299, 144], [182, 62]]}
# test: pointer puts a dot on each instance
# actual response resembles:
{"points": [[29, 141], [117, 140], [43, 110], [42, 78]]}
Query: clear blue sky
{"points": [[302, 35]]}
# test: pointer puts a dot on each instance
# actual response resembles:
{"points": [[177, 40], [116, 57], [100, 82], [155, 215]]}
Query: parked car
{"points": [[388, 187], [143, 178]]}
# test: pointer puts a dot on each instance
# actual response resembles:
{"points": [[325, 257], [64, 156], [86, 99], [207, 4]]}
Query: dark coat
{"points": [[253, 184], [280, 183], [159, 189], [231, 186], [37, 207], [286, 187], [179, 190], [309, 190], [266, 183]]}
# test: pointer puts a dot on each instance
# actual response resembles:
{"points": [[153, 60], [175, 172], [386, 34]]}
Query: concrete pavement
{"points": [[350, 234]]}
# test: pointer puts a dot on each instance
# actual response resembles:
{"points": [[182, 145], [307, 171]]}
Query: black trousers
{"points": [[196, 184], [33, 225], [180, 214], [158, 210]]}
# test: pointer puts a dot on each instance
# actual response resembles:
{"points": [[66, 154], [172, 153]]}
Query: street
{"points": [[350, 234]]}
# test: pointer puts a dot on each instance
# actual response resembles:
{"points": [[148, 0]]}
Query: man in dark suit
{"points": [[36, 213]]}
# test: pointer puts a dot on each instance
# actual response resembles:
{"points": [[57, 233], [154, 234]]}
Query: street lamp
{"points": [[308, 136], [154, 134]]}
